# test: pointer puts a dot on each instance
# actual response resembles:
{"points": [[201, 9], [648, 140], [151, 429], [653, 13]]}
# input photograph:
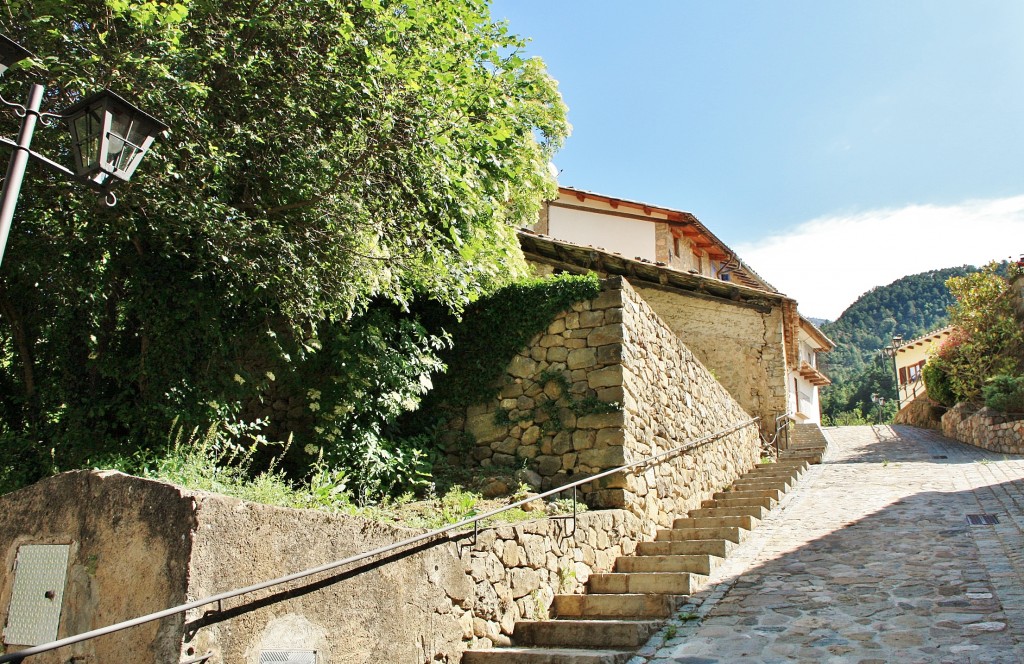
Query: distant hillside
{"points": [[910, 306]]}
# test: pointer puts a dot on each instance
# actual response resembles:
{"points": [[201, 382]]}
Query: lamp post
{"points": [[109, 139], [890, 351], [880, 402]]}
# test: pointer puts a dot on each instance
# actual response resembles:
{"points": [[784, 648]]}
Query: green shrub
{"points": [[1005, 393], [938, 383]]}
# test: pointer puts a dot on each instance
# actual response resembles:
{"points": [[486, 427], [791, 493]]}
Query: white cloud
{"points": [[827, 263]]}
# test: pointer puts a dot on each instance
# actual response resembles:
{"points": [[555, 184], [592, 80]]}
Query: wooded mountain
{"points": [[910, 306]]}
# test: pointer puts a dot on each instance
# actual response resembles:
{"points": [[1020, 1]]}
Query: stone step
{"points": [[811, 455], [783, 463], [773, 494], [624, 605], [545, 656], [711, 547], [761, 501], [780, 483], [584, 633], [772, 473], [667, 583], [733, 534], [747, 522], [755, 511], [694, 563]]}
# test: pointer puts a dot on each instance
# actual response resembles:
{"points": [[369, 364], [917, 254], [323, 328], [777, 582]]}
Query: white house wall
{"points": [[630, 237]]}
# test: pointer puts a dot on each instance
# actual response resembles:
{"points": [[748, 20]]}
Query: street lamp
{"points": [[880, 402], [109, 139], [890, 351]]}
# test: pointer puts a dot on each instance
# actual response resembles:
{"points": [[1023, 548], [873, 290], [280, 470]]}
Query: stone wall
{"points": [[985, 428], [741, 344], [517, 570], [613, 353], [671, 398], [139, 546]]}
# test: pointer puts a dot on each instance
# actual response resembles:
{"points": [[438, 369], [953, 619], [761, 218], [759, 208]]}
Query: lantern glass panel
{"points": [[88, 131]]}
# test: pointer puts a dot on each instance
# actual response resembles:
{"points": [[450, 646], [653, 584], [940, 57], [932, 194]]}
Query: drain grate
{"points": [[939, 456], [982, 519]]}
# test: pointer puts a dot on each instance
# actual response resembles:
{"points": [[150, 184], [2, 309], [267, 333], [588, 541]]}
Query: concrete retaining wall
{"points": [[139, 546]]}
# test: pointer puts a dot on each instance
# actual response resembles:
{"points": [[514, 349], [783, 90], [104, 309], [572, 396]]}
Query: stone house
{"points": [[745, 331]]}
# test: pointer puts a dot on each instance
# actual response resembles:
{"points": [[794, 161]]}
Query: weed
{"points": [[565, 506], [670, 632], [566, 579], [687, 617], [540, 607]]}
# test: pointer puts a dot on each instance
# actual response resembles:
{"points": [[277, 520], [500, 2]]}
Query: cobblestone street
{"points": [[872, 559]]}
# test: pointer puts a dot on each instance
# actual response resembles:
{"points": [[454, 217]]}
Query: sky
{"points": [[835, 145]]}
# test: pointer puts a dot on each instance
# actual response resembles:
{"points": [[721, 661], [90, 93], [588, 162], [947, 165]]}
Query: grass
{"points": [[207, 461]]}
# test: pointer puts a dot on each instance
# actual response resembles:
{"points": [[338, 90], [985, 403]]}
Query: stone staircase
{"points": [[622, 609], [806, 441]]}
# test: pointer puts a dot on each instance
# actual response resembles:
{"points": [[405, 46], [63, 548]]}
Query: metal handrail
{"points": [[774, 442], [433, 534]]}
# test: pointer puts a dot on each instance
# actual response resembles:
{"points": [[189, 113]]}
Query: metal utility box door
{"points": [[288, 657], [39, 575]]}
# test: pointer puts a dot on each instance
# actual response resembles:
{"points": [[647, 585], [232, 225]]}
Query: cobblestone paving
{"points": [[871, 560]]}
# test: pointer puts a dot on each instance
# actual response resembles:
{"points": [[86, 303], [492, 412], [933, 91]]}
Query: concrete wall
{"points": [[130, 540], [741, 345], [617, 350], [139, 546]]}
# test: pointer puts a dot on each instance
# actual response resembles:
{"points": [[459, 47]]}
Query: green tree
{"points": [[989, 340], [323, 155]]}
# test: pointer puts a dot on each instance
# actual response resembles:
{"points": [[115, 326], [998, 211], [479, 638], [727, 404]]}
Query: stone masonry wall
{"points": [[985, 428], [742, 345], [671, 398], [518, 569], [615, 350]]}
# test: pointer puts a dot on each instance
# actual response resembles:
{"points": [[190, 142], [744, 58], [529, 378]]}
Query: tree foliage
{"points": [[989, 340], [322, 156]]}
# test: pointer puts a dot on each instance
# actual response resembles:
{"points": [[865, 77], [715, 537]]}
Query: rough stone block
{"points": [[609, 354], [483, 428], [606, 458], [610, 437], [606, 334], [607, 377], [581, 358], [557, 354], [601, 420], [548, 465], [550, 340], [607, 299]]}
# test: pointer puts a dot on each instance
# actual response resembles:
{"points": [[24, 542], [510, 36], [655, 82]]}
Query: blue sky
{"points": [[866, 140]]}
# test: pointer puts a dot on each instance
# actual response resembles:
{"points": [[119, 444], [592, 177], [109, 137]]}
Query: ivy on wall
{"points": [[496, 327]]}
